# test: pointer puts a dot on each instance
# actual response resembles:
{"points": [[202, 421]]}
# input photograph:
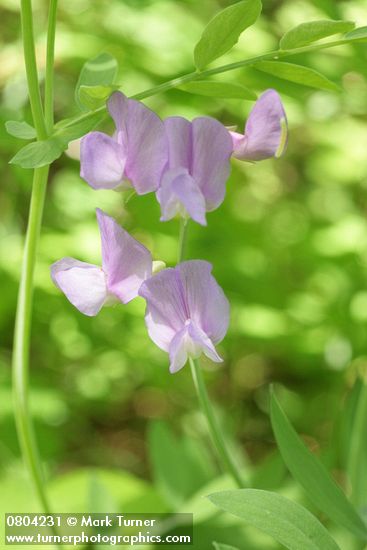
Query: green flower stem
{"points": [[49, 76], [197, 75], [182, 239], [22, 337], [23, 319], [214, 428], [356, 460]]}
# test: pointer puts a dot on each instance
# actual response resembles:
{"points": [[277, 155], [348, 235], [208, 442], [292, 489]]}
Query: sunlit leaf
{"points": [[21, 130], [312, 475], [305, 33], [39, 153], [297, 73], [99, 71], [223, 31], [359, 34], [218, 89], [95, 96], [287, 522], [44, 152]]}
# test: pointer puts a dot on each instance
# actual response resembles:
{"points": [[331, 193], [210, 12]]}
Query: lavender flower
{"points": [[187, 312], [198, 166], [265, 131], [126, 263], [135, 156]]}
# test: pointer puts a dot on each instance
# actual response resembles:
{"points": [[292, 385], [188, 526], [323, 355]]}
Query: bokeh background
{"points": [[289, 247]]}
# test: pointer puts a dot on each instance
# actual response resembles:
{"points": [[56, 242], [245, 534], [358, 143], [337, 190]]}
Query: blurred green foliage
{"points": [[289, 247]]}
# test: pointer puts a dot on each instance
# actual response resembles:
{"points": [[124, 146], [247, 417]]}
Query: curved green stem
{"points": [[214, 429], [31, 69], [22, 337], [23, 318], [196, 75], [49, 75]]}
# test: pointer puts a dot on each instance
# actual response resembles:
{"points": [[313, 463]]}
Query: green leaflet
{"points": [[359, 34], [298, 74], [99, 71], [312, 475], [21, 130], [212, 88], [313, 30], [39, 153], [95, 96], [44, 152], [287, 522], [222, 32]]}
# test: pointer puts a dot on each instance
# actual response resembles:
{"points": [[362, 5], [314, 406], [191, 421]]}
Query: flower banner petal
{"points": [[126, 262]]}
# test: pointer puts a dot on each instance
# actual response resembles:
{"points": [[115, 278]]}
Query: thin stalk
{"points": [[31, 69], [49, 75], [182, 239], [199, 75], [23, 318], [22, 337], [214, 429]]}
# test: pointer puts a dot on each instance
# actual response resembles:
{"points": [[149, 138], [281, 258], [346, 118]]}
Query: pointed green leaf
{"points": [[39, 153], [287, 522], [297, 73], [359, 34], [223, 31], [21, 130], [95, 96], [99, 71], [212, 88], [312, 475], [314, 30], [219, 546]]}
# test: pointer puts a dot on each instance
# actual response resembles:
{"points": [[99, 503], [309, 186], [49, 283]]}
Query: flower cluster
{"points": [[187, 165]]}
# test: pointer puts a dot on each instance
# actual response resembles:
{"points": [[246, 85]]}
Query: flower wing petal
{"points": [[201, 340], [178, 351], [126, 262], [265, 131], [83, 284], [208, 306], [166, 307], [179, 193], [102, 161]]}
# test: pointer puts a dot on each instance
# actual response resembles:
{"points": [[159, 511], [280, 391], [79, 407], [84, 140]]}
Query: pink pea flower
{"points": [[194, 181], [126, 263], [187, 312], [266, 130], [135, 156]]}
